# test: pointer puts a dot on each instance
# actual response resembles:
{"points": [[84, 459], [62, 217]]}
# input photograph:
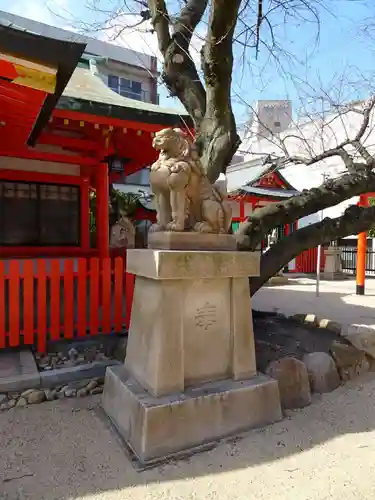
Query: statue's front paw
{"points": [[202, 227], [175, 226], [155, 228]]}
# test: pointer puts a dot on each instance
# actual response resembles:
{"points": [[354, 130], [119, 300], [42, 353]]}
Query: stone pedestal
{"points": [[332, 267], [190, 371]]}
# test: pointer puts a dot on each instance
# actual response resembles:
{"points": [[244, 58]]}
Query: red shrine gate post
{"points": [[102, 210], [361, 253]]}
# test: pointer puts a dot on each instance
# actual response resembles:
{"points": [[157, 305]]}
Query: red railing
{"points": [[44, 299], [306, 262]]}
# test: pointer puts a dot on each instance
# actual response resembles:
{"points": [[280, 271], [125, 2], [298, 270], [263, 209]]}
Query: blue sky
{"points": [[340, 64]]}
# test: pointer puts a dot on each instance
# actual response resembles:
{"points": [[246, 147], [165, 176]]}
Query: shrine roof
{"points": [[87, 93], [252, 175], [34, 71], [264, 192]]}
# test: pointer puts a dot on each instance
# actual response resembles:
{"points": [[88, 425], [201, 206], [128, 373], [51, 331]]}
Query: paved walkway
{"points": [[337, 300], [64, 450]]}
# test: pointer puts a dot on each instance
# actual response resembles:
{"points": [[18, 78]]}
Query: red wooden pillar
{"points": [[242, 210], [102, 210], [85, 214], [361, 254]]}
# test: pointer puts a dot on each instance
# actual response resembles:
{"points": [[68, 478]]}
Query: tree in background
{"points": [[119, 203], [206, 95]]}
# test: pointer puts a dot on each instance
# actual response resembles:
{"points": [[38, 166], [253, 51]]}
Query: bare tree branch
{"points": [[354, 220], [160, 22], [331, 193]]}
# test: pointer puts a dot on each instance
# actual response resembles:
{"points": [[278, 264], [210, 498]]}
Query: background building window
{"points": [[33, 214], [125, 87]]}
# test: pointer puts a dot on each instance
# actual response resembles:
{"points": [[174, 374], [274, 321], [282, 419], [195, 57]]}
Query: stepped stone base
{"points": [[192, 241], [157, 427]]}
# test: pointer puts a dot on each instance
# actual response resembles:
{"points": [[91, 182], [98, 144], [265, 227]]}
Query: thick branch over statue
{"points": [[359, 179], [206, 95], [331, 193], [354, 220]]}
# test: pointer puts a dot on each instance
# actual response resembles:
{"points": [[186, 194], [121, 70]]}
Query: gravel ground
{"points": [[63, 450]]}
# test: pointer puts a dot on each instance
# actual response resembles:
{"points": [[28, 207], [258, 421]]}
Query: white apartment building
{"points": [[127, 72]]}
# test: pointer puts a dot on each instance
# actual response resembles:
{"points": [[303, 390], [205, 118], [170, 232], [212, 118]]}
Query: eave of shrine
{"points": [[247, 192], [34, 71], [73, 117]]}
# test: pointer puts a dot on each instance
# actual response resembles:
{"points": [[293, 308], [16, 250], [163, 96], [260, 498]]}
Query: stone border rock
{"points": [[351, 358], [77, 388], [19, 377], [62, 376]]}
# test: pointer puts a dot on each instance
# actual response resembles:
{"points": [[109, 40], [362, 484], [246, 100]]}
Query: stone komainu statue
{"points": [[185, 199]]}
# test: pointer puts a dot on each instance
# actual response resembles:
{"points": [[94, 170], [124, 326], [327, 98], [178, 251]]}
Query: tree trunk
{"points": [[210, 106], [217, 138], [353, 221]]}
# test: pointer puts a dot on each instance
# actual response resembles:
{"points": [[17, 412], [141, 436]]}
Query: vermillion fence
{"points": [[44, 299], [306, 261]]}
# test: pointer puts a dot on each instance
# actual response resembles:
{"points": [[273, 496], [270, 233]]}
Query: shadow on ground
{"points": [[64, 450]]}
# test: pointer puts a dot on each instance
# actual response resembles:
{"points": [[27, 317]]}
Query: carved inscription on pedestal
{"points": [[206, 316]]}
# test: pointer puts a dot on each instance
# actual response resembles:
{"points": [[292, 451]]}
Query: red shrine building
{"points": [[263, 187], [64, 133]]}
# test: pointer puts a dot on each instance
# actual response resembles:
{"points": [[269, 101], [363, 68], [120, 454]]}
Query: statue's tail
{"points": [[217, 195]]}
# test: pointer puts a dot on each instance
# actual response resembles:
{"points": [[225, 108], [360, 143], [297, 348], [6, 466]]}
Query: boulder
{"points": [[322, 372], [96, 390], [298, 317], [362, 337], [350, 361], [294, 386], [35, 397], [50, 394], [91, 385]]}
